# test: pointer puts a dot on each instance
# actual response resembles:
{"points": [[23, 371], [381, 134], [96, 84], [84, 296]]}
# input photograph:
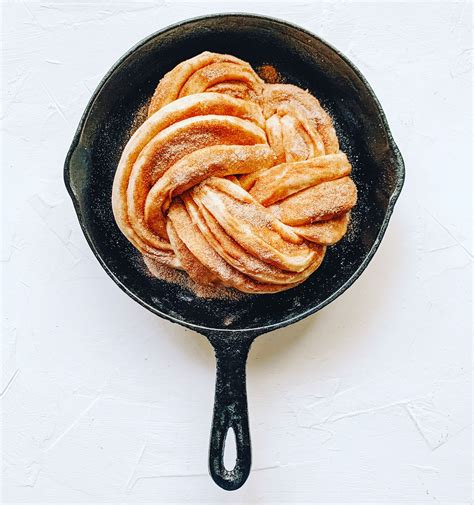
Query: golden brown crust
{"points": [[325, 232], [190, 170], [235, 181], [196, 75], [318, 203], [281, 181], [195, 106], [278, 97]]}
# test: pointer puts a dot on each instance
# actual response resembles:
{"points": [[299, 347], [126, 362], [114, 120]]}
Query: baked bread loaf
{"points": [[235, 181]]}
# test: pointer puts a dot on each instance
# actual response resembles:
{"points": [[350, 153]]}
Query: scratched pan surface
{"points": [[231, 325]]}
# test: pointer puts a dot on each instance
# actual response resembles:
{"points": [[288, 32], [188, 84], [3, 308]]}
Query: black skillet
{"points": [[231, 326]]}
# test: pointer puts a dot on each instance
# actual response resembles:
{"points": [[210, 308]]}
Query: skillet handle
{"points": [[230, 412]]}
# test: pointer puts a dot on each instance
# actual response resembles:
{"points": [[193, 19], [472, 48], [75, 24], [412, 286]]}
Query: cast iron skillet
{"points": [[231, 326]]}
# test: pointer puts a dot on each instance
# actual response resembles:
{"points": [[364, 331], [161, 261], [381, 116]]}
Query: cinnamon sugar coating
{"points": [[237, 182]]}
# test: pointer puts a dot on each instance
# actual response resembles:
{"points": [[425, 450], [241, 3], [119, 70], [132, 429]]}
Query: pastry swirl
{"points": [[235, 181]]}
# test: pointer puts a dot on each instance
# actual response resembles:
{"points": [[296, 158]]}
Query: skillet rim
{"points": [[397, 162]]}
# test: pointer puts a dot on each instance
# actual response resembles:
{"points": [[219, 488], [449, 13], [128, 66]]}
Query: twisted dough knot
{"points": [[236, 181]]}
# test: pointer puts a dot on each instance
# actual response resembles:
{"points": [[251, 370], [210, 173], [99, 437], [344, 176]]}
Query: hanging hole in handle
{"points": [[230, 450]]}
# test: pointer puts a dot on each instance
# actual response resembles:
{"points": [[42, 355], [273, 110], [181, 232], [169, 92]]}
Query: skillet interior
{"points": [[302, 59]]}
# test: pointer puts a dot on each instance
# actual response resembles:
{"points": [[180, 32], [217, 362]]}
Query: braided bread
{"points": [[237, 182]]}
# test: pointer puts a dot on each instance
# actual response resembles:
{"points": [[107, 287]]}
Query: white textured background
{"points": [[367, 401]]}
